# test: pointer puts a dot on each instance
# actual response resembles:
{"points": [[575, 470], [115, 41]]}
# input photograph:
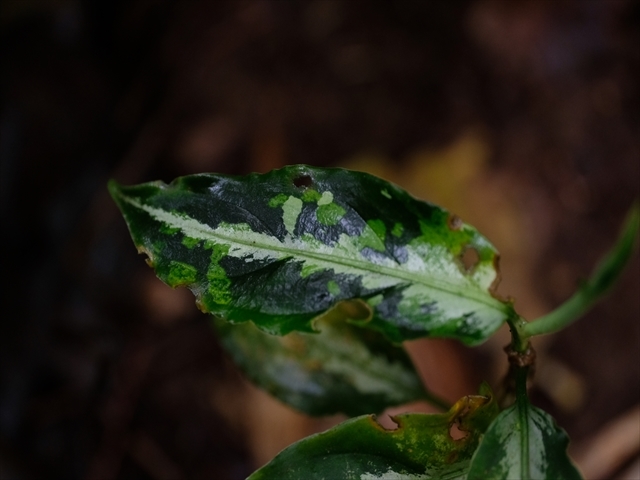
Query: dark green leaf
{"points": [[282, 248], [420, 448], [342, 369], [524, 442]]}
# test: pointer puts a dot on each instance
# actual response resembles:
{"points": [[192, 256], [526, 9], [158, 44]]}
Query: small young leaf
{"points": [[282, 248], [524, 442], [341, 369], [420, 448]]}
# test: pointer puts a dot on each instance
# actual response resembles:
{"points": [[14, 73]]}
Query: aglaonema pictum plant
{"points": [[315, 277]]}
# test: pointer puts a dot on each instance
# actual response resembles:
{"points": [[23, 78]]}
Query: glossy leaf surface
{"points": [[420, 448], [282, 248], [524, 442], [341, 369]]}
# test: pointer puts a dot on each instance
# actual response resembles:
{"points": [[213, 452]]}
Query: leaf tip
{"points": [[114, 188]]}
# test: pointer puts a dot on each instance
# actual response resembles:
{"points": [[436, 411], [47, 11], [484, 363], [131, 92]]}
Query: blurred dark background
{"points": [[522, 117]]}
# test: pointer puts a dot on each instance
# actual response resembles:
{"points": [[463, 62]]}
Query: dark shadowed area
{"points": [[521, 117]]}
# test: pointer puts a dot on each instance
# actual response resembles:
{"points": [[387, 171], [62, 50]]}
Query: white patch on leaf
{"points": [[326, 198], [291, 209], [391, 475]]}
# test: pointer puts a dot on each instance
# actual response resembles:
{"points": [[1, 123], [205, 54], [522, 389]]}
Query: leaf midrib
{"points": [[431, 282]]}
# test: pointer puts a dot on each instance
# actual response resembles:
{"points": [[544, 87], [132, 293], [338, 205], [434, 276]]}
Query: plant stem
{"points": [[562, 316], [519, 341], [603, 277], [519, 361]]}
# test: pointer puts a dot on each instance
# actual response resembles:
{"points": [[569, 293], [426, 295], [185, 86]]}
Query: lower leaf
{"points": [[341, 369], [523, 442], [420, 448]]}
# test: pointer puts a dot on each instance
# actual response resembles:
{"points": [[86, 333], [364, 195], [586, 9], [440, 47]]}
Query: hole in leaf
{"points": [[149, 256], [303, 181], [386, 422], [455, 433], [470, 258]]}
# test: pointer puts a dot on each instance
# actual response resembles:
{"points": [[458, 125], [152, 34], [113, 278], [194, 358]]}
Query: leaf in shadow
{"points": [[420, 448]]}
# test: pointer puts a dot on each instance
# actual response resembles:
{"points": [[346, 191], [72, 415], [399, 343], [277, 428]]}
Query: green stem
{"points": [[519, 341], [603, 277], [562, 316]]}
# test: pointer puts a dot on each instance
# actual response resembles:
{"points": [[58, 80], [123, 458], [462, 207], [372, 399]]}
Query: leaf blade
{"points": [[272, 249], [342, 369], [419, 449], [523, 442]]}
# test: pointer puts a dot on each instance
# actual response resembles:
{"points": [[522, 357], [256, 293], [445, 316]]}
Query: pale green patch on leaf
{"points": [[284, 242], [181, 274], [190, 242], [333, 287], [385, 193], [169, 230], [311, 195], [329, 214], [278, 200], [420, 448], [326, 198], [397, 230]]}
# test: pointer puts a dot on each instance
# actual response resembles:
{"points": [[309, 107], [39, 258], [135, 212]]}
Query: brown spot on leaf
{"points": [[454, 222]]}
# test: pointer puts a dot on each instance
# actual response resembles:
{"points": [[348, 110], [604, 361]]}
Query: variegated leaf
{"points": [[523, 442], [343, 369], [282, 248], [421, 448]]}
